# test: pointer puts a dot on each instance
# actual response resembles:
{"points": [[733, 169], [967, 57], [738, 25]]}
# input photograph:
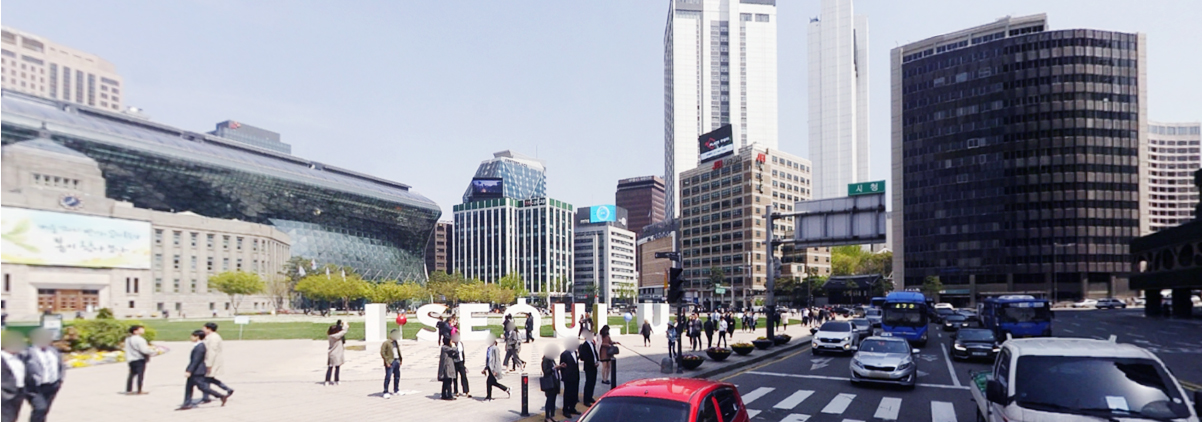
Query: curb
{"points": [[775, 352]]}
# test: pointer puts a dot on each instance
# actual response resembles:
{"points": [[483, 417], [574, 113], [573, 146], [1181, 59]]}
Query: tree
{"points": [[932, 286], [279, 288], [847, 260], [391, 291], [292, 272], [333, 285], [514, 282], [882, 288], [236, 284], [877, 263], [444, 286], [471, 291]]}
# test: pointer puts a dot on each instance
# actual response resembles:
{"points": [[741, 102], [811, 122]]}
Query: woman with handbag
{"points": [[609, 348], [549, 383], [446, 368]]}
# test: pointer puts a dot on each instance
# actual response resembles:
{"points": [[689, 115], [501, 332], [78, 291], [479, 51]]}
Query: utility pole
{"points": [[770, 279]]}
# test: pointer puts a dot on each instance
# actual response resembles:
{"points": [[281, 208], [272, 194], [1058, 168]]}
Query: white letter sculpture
{"points": [[423, 316], [374, 321], [521, 308], [468, 322], [657, 313], [600, 317], [561, 330]]}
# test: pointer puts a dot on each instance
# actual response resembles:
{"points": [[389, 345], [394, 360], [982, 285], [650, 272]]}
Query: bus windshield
{"points": [[1014, 313], [904, 314]]}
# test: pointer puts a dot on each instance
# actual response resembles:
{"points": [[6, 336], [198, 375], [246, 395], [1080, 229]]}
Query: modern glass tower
{"points": [[838, 73], [719, 69], [1173, 156]]}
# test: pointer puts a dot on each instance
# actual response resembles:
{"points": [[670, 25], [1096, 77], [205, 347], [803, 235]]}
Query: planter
{"points": [[762, 344], [782, 339], [743, 350], [692, 361], [717, 354]]}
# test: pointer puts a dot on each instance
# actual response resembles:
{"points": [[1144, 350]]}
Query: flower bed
{"points": [[691, 361], [95, 357], [782, 339], [718, 354], [743, 349], [762, 343]]}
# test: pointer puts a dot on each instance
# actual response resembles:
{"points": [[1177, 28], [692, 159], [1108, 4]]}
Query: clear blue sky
{"points": [[421, 91]]}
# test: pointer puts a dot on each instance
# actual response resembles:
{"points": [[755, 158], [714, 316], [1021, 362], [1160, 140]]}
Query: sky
{"points": [[421, 92]]}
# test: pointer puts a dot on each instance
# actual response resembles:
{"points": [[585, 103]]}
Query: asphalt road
{"points": [[803, 387]]}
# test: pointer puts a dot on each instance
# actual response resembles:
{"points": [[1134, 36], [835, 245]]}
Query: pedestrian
{"points": [[570, 372], [695, 332], [730, 325], [550, 381], [513, 350], [453, 326], [44, 371], [460, 361], [709, 332], [336, 335], [197, 372], [590, 359], [13, 375], [672, 339], [607, 348], [508, 324], [493, 369], [646, 332], [530, 328], [585, 324], [785, 318], [754, 321], [446, 368], [214, 361], [137, 355], [722, 327], [390, 352]]}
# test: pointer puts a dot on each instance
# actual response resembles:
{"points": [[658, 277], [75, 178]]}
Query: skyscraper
{"points": [[1018, 155], [719, 68], [838, 49], [643, 198], [524, 177], [1173, 156], [37, 66], [604, 256]]}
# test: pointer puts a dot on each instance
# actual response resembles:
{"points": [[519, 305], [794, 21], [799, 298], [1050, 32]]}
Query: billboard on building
{"points": [[716, 144], [488, 188], [603, 214], [35, 237]]}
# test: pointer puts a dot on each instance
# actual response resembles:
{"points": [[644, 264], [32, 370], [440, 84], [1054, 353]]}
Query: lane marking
{"points": [[751, 413], [950, 370], [839, 404], [852, 420], [803, 349], [942, 411], [794, 399], [1067, 330], [759, 392], [888, 408], [1190, 386], [823, 377], [796, 417]]}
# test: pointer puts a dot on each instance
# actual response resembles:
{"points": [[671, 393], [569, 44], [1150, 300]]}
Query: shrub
{"points": [[104, 313], [105, 334]]}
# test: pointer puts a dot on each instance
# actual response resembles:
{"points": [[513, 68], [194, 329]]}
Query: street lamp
{"points": [[1055, 291]]}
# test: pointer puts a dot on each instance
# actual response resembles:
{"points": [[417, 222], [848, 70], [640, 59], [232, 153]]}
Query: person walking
{"points": [[530, 328], [493, 370], [460, 361], [585, 324], [390, 352], [709, 331], [550, 381], [589, 360], [446, 368], [44, 371], [13, 375], [672, 339], [214, 361], [722, 327], [513, 349], [197, 373], [444, 329], [336, 335], [730, 325], [570, 372], [695, 332], [646, 332], [608, 346], [137, 355]]}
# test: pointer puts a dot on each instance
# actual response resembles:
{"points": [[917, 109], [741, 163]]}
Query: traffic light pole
{"points": [[770, 280]]}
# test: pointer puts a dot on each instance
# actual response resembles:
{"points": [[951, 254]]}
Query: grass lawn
{"points": [[182, 330]]}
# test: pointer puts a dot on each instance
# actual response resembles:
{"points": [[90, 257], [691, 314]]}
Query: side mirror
{"points": [[994, 392], [813, 331]]}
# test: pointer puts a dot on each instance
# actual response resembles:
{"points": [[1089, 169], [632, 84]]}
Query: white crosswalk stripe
{"points": [[888, 408], [942, 411], [796, 417], [839, 404], [759, 392], [794, 399], [852, 420], [751, 413]]}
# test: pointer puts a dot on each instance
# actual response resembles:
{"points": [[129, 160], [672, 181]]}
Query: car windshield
{"points": [[1016, 314], [884, 346], [872, 312], [1117, 386], [861, 323], [976, 335], [955, 318], [835, 326], [637, 409], [910, 317], [944, 311]]}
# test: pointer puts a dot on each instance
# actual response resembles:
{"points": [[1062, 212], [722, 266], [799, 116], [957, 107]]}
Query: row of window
{"points": [[176, 236]]}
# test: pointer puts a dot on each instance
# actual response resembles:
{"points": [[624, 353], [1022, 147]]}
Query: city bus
{"points": [[905, 316], [1017, 315]]}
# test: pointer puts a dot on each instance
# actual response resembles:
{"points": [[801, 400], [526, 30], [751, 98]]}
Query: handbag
{"points": [[547, 383], [613, 350]]}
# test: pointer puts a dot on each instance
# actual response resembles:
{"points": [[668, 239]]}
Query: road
{"points": [[803, 387]]}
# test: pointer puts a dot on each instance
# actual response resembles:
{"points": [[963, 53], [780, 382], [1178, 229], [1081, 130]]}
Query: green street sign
{"points": [[720, 291], [866, 188]]}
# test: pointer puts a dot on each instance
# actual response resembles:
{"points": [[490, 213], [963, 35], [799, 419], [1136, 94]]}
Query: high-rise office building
{"points": [[1173, 156], [604, 256], [440, 256], [251, 135], [838, 72], [506, 225], [719, 69], [1018, 154], [37, 66], [643, 198]]}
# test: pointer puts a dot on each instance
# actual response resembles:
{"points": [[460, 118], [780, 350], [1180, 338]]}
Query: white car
{"points": [[834, 336], [1087, 303], [945, 306]]}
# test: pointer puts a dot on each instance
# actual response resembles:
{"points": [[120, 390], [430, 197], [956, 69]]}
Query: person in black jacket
{"points": [[570, 372], [13, 375], [709, 332], [589, 358], [530, 328], [551, 372], [196, 373]]}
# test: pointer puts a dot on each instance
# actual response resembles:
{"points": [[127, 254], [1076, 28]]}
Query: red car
{"points": [[669, 400]]}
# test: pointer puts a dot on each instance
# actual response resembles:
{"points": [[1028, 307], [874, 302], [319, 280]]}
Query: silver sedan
{"points": [[885, 360]]}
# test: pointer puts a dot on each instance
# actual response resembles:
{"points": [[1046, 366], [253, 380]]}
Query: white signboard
{"points": [[35, 237], [242, 320], [852, 220]]}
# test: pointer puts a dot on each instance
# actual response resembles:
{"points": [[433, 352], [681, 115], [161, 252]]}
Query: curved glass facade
{"points": [[332, 215]]}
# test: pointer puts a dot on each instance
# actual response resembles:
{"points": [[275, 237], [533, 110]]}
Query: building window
{"points": [[225, 242], [254, 245], [209, 264], [193, 262], [225, 264], [131, 304], [227, 306], [194, 285], [8, 287], [158, 233], [239, 243], [158, 260], [175, 237], [175, 261], [194, 236], [175, 287], [239, 265], [158, 285], [135, 285], [209, 241]]}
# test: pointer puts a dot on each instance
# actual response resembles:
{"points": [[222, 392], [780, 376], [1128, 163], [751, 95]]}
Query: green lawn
{"points": [[182, 330]]}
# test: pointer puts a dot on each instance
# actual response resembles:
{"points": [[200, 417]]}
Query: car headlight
{"points": [[996, 349], [905, 365], [857, 363], [959, 347]]}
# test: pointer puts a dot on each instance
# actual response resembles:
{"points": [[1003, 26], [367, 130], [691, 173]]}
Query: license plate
{"points": [[978, 353]]}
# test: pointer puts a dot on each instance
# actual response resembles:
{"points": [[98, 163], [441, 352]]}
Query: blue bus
{"points": [[905, 316], [1017, 315]]}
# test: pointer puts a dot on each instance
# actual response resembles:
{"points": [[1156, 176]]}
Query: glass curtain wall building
{"points": [[524, 177], [1017, 157], [332, 215], [1173, 156]]}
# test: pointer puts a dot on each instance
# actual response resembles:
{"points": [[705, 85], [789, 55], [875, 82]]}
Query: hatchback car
{"points": [[669, 400], [1110, 303], [833, 336], [887, 360], [974, 343]]}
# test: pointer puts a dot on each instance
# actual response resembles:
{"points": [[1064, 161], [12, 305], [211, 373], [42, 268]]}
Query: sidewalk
{"points": [[281, 380]]}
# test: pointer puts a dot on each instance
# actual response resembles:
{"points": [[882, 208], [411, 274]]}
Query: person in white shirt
{"points": [[722, 331], [44, 376], [14, 376], [137, 355]]}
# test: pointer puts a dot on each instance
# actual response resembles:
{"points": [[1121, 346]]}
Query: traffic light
{"points": [[675, 285], [776, 268]]}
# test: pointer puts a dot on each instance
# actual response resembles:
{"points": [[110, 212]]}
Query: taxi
{"points": [[669, 400]]}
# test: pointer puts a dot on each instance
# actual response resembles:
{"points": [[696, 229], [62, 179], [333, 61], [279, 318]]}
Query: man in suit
{"points": [[13, 376], [590, 359], [44, 370], [530, 328], [214, 361], [196, 373], [709, 332], [570, 373]]}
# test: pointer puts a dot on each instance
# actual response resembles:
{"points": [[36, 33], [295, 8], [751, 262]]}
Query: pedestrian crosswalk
{"points": [[769, 404]]}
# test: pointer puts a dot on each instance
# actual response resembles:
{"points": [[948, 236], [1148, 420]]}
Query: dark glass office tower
{"points": [[1017, 155]]}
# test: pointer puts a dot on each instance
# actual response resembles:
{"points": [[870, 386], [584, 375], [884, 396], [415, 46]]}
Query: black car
{"points": [[954, 322], [942, 313], [974, 343], [971, 317]]}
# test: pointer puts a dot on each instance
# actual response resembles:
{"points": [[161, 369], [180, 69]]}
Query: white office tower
{"points": [[838, 98], [719, 68]]}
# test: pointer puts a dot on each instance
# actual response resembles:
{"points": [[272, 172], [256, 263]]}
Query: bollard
{"points": [[525, 395], [613, 373]]}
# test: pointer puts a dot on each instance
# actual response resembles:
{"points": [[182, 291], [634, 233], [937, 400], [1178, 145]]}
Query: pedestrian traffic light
{"points": [[675, 285]]}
